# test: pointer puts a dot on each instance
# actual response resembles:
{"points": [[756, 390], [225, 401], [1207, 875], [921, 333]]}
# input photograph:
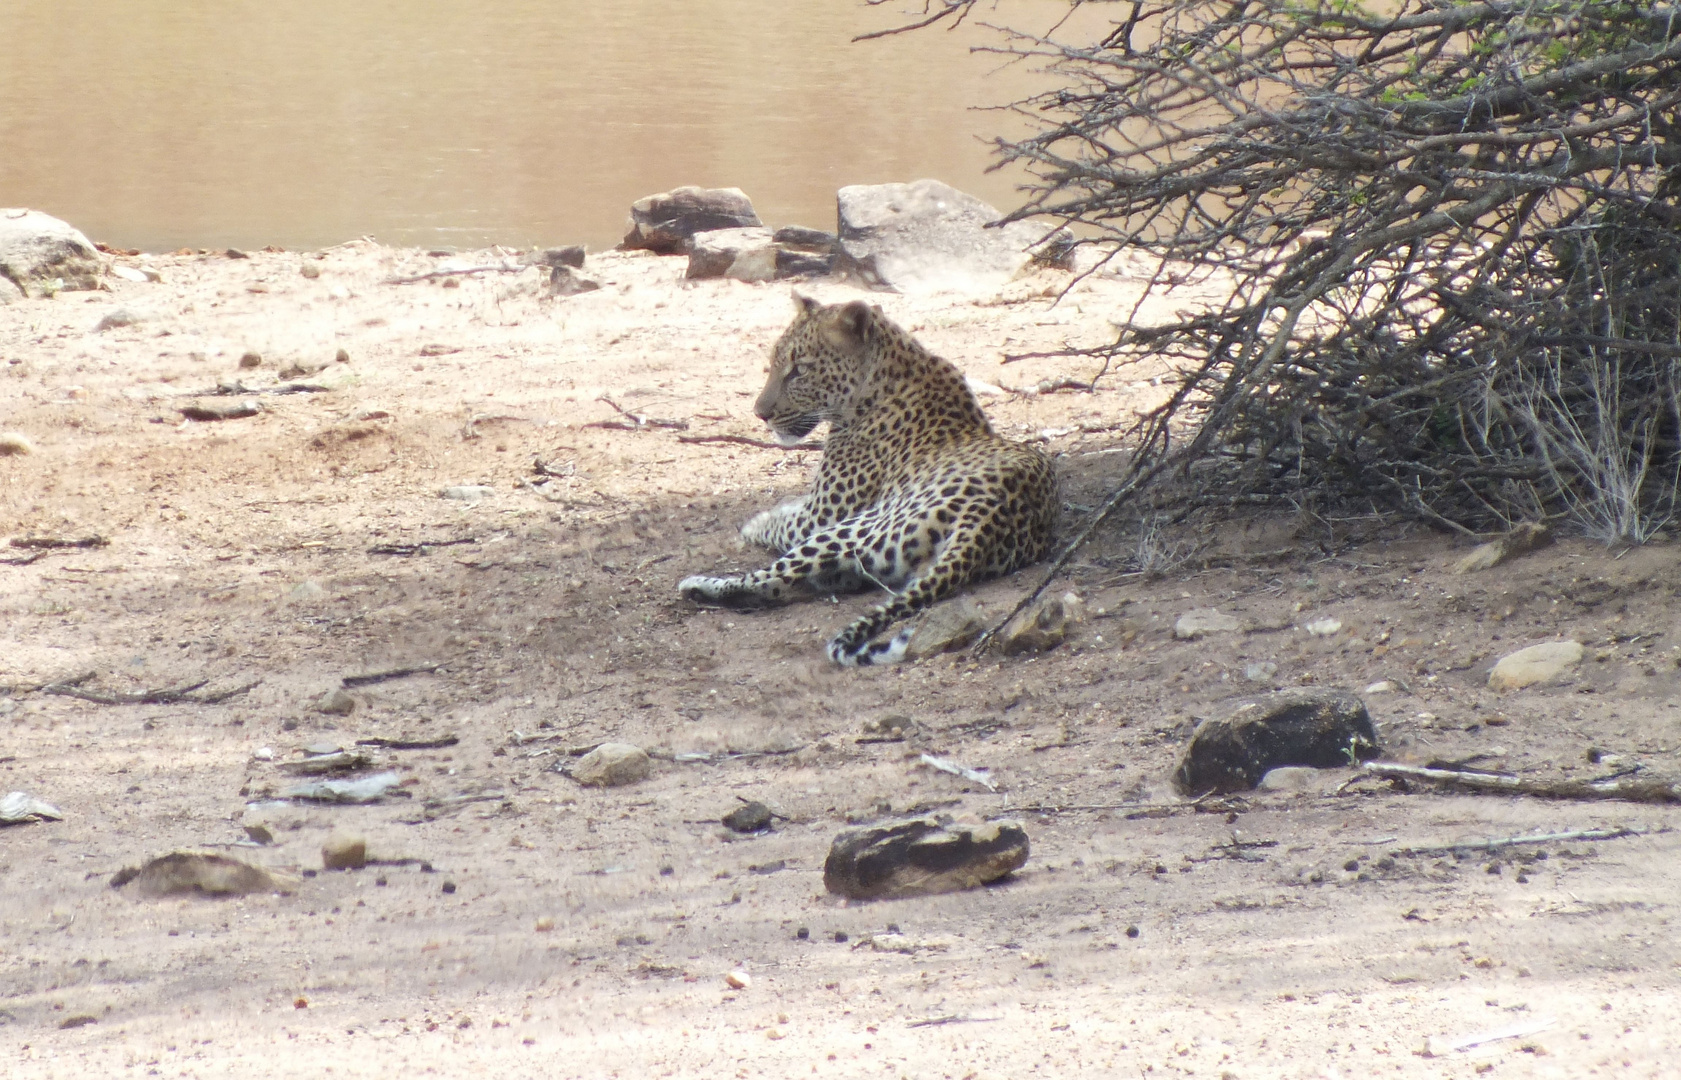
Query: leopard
{"points": [[915, 494]]}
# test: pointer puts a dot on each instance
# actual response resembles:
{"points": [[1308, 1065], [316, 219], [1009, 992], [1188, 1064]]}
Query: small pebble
{"points": [[840, 937], [802, 933], [449, 886], [738, 980], [251, 360], [1132, 931], [544, 925], [13, 444], [310, 270]]}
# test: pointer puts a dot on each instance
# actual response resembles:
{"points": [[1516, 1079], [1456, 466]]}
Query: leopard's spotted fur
{"points": [[916, 493]]}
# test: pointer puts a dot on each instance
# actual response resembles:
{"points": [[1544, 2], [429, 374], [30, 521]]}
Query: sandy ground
{"points": [[586, 932]]}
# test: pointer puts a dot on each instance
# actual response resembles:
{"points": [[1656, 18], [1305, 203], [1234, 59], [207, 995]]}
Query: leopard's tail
{"points": [[855, 646]]}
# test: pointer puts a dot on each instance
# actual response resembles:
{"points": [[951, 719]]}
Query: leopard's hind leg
{"points": [[957, 563]]}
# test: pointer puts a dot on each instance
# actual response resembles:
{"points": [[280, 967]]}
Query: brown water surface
{"points": [[165, 123]]}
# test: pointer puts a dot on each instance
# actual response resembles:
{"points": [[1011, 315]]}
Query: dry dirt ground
{"points": [[569, 932]]}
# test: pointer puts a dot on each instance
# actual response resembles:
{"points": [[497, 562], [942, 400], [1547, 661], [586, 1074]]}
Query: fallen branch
{"points": [[1655, 791], [418, 549], [72, 687], [371, 677], [504, 268], [954, 1018], [964, 771], [701, 756], [742, 440], [42, 542], [410, 744], [634, 421], [1514, 841]]}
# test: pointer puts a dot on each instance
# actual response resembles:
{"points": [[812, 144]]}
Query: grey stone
{"points": [[792, 263], [1260, 671], [800, 238], [715, 254], [1314, 728], [220, 409], [336, 702], [665, 223], [611, 765], [927, 235], [572, 255], [748, 817], [41, 254], [565, 281], [1202, 621], [1537, 664], [922, 856], [114, 319], [946, 627]]}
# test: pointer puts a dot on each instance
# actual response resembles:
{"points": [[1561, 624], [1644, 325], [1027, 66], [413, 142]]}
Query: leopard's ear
{"points": [[805, 305], [855, 319]]}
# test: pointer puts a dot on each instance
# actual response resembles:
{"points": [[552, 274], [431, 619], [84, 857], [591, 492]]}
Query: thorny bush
{"points": [[1452, 233]]}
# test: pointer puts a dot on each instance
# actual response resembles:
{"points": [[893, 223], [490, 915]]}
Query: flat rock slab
{"points": [[1204, 621], [206, 873], [212, 409], [1315, 728], [665, 223], [41, 254], [612, 764], [1537, 664], [922, 856], [926, 236]]}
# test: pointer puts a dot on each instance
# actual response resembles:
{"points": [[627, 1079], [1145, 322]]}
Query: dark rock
{"points": [[920, 856], [928, 235], [115, 319], [796, 263], [41, 254], [1317, 728], [801, 238], [748, 817], [665, 223], [745, 254], [235, 253], [565, 281], [572, 255]]}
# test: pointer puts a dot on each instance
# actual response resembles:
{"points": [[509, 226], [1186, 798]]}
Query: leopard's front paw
{"points": [[702, 589]]}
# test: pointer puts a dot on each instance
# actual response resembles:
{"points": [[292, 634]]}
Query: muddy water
{"points": [[167, 123]]}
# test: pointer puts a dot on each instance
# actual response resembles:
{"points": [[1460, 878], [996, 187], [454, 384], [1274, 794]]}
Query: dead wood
{"points": [[503, 268], [371, 677], [634, 421], [37, 543], [410, 744], [72, 687], [742, 440], [418, 549], [1651, 791]]}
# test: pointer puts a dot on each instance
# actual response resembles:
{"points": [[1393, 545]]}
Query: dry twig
{"points": [[1654, 791]]}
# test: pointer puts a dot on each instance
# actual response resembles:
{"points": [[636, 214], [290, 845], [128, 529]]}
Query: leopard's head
{"points": [[817, 363]]}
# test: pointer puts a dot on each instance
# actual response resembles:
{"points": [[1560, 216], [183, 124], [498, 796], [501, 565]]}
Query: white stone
{"points": [[1324, 627]]}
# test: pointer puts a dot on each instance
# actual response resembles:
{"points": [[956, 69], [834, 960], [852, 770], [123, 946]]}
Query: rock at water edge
{"points": [[41, 254], [921, 856], [664, 223], [926, 236], [715, 254], [1316, 728]]}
